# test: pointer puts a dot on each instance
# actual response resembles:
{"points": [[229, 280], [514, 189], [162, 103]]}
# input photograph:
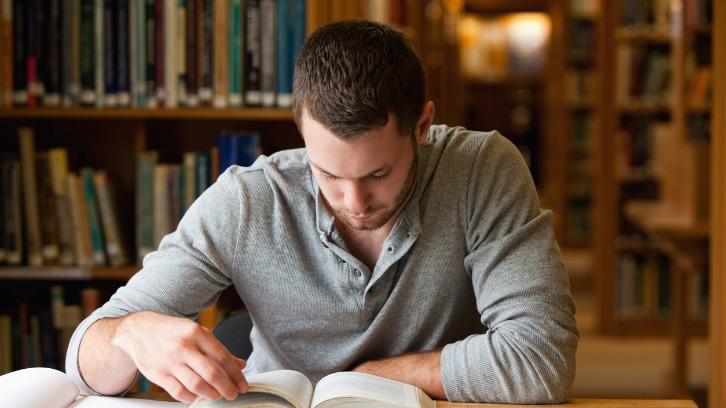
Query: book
{"points": [[58, 162], [287, 388], [30, 196], [79, 220], [221, 64], [145, 164], [253, 54], [6, 55], [12, 195], [50, 388], [268, 84], [115, 247]]}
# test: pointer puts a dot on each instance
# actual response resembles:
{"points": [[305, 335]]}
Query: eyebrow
{"points": [[378, 170]]}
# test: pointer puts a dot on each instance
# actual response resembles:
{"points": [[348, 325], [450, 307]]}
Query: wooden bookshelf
{"points": [[658, 202], [717, 326], [570, 158], [247, 114]]}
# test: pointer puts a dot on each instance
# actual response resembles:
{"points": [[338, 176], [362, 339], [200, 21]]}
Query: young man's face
{"points": [[364, 181]]}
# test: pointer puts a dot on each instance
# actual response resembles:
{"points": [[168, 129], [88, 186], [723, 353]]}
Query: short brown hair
{"points": [[351, 74]]}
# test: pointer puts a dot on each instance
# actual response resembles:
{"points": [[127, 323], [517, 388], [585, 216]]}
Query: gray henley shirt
{"points": [[470, 266]]}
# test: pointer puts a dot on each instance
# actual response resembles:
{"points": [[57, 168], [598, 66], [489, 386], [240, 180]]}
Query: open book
{"points": [[291, 389], [47, 388]]}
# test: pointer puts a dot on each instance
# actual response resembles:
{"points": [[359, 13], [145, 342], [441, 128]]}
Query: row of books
{"points": [[580, 87], [165, 191], [642, 74], [644, 287], [653, 14], [580, 39], [149, 53], [635, 145], [33, 336], [54, 216]]}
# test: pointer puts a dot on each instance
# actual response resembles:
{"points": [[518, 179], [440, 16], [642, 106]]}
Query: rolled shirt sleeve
{"points": [[527, 354], [187, 273]]}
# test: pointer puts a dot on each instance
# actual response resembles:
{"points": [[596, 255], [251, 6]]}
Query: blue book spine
{"points": [[297, 30], [233, 149]]}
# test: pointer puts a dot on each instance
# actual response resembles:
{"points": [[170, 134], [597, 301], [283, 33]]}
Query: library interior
{"points": [[116, 115]]}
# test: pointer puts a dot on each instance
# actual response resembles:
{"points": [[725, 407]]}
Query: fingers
{"points": [[213, 375], [177, 390], [192, 381], [231, 365]]}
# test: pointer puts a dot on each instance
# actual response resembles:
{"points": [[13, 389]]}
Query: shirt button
{"points": [[356, 272], [390, 249]]}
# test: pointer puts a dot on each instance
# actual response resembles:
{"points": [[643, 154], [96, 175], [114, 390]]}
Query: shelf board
{"points": [[643, 35], [67, 273], [258, 114], [644, 108], [651, 326], [660, 218]]}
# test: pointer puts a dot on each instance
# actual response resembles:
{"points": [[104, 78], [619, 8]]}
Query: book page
{"points": [[116, 402], [292, 388], [358, 389], [37, 387]]}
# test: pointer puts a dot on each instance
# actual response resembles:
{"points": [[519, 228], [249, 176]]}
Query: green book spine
{"points": [[94, 222], [235, 53]]}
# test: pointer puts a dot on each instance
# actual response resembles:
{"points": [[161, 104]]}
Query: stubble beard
{"points": [[386, 213]]}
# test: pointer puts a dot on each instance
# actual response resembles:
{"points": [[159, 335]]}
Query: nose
{"points": [[356, 197]]}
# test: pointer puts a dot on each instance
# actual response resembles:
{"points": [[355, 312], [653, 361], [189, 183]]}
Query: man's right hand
{"points": [[177, 354]]}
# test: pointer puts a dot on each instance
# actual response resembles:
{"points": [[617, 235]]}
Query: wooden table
{"points": [[580, 403]]}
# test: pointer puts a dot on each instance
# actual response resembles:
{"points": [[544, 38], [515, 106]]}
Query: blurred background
{"points": [[117, 114]]}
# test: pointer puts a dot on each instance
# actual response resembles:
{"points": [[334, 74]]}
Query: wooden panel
{"points": [[717, 377]]}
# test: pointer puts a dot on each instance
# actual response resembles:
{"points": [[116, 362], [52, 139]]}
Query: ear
{"points": [[425, 121]]}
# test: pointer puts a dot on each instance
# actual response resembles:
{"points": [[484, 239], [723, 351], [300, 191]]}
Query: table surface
{"points": [[580, 403]]}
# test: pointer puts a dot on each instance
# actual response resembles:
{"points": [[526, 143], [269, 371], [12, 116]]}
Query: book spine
{"points": [[133, 55], [46, 209], [145, 203], [180, 47], [192, 97], [110, 97], [174, 198], [87, 48], [52, 96], [283, 54], [98, 53], [202, 176], [58, 158], [207, 53], [27, 159], [65, 54], [162, 222], [297, 30], [6, 344], [141, 44], [94, 221], [190, 171], [123, 86], [267, 82], [150, 28], [159, 52], [31, 57], [13, 204], [81, 234], [74, 86], [236, 58], [221, 67], [171, 74], [110, 221], [20, 92], [6, 58], [253, 54]]}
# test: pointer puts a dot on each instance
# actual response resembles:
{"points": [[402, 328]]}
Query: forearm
{"points": [[419, 369], [104, 366]]}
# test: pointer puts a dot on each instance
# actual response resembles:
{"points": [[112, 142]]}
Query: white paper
{"points": [[37, 387]]}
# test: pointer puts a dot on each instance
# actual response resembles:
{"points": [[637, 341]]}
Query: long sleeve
{"points": [[187, 273], [527, 354]]}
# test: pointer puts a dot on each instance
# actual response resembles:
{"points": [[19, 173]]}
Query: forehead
{"points": [[354, 158]]}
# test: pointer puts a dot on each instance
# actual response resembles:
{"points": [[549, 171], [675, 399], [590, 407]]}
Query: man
{"points": [[387, 245]]}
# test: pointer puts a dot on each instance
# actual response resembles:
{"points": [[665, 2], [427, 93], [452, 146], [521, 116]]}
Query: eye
{"points": [[380, 177], [328, 177]]}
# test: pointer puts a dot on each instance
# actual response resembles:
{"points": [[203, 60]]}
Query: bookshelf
{"points": [[651, 170], [113, 138], [717, 328], [571, 192]]}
